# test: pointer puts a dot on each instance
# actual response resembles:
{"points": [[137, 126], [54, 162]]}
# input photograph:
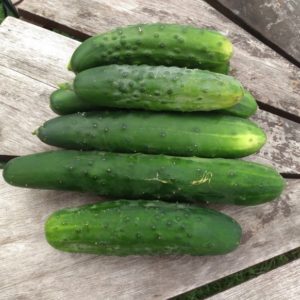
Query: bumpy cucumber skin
{"points": [[140, 176], [180, 134], [140, 227], [65, 101], [157, 88], [155, 44], [244, 109]]}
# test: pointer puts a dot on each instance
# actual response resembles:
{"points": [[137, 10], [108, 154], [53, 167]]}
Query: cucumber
{"points": [[180, 134], [222, 68], [155, 44], [140, 227], [244, 109], [136, 176], [64, 101], [157, 88]]}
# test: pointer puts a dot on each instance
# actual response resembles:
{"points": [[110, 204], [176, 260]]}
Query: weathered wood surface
{"points": [[280, 284], [32, 62], [271, 78], [31, 269], [276, 20]]}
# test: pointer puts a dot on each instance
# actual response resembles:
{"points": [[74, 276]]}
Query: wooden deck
{"points": [[276, 20], [280, 284], [33, 61]]}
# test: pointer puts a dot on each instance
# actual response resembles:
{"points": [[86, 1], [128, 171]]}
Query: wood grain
{"points": [[32, 78], [278, 21], [40, 54], [271, 78], [280, 284], [31, 269]]}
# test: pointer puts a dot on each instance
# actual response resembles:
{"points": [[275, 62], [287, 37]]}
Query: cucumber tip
{"points": [[69, 66]]}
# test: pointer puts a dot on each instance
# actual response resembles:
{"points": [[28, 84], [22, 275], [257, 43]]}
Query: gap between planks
{"points": [[282, 283], [242, 276], [249, 23], [278, 112]]}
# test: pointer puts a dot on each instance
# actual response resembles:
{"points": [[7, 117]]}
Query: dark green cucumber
{"points": [[157, 88], [180, 134], [140, 227], [64, 101], [155, 44], [222, 68], [136, 176], [244, 109]]}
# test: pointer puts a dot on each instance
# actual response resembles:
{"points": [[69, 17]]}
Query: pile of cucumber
{"points": [[151, 116]]}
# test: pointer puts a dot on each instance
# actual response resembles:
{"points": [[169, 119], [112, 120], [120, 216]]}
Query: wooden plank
{"points": [[280, 284], [271, 78], [283, 140], [31, 269], [31, 79], [40, 54], [278, 21]]}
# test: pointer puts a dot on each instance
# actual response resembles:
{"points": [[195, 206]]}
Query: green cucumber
{"points": [[157, 88], [136, 176], [64, 101], [180, 134], [125, 227], [155, 44], [222, 68], [244, 109]]}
